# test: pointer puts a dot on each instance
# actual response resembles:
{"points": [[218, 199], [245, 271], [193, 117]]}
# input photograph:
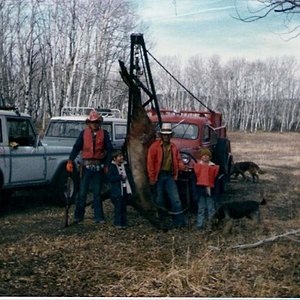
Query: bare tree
{"points": [[257, 95], [6, 76], [259, 9], [60, 52], [169, 93]]}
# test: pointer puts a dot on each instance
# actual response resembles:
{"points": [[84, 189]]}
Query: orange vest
{"points": [[88, 150], [206, 174]]}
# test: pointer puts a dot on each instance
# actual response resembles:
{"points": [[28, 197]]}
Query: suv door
{"points": [[28, 161]]}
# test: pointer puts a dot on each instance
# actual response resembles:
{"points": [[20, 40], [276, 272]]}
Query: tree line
{"points": [[56, 53], [252, 95]]}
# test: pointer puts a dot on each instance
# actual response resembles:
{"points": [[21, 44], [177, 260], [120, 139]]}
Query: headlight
{"points": [[185, 158]]}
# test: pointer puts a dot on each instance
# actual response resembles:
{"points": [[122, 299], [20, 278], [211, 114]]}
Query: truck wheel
{"points": [[61, 187], [4, 198], [221, 158], [1, 200]]}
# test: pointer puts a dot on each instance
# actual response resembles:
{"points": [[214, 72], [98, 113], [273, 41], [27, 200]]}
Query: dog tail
{"points": [[263, 202], [260, 171], [262, 194]]}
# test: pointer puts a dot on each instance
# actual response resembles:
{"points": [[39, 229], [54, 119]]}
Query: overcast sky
{"points": [[207, 27]]}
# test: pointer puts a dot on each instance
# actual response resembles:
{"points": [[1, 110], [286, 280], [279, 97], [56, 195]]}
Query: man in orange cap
{"points": [[95, 146]]}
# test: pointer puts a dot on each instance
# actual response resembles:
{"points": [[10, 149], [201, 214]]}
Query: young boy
{"points": [[121, 187], [206, 173]]}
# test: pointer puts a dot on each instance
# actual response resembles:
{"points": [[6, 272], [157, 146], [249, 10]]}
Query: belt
{"points": [[91, 162], [94, 168], [163, 172]]}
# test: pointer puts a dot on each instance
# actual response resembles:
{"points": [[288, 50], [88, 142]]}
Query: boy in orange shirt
{"points": [[206, 173]]}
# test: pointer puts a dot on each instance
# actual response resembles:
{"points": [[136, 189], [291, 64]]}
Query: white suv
{"points": [[64, 130], [26, 163]]}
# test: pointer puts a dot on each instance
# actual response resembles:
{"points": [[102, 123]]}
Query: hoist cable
{"points": [[180, 83]]}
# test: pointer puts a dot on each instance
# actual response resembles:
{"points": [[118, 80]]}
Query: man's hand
{"points": [[105, 169], [69, 166]]}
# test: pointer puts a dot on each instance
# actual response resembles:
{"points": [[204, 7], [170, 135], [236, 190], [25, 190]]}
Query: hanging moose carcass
{"points": [[141, 132]]}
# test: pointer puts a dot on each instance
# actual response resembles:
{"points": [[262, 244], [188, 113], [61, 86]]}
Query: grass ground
{"points": [[39, 257]]}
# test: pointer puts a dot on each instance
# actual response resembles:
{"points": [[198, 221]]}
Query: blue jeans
{"points": [[94, 178], [120, 205], [166, 185], [206, 206]]}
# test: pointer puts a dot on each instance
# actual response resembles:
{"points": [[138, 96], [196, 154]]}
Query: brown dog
{"points": [[244, 166]]}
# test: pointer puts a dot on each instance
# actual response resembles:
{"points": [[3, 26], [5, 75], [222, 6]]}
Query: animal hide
{"points": [[140, 136]]}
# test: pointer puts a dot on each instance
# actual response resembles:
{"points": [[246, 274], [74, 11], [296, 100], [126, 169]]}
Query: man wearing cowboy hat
{"points": [[163, 164], [95, 146]]}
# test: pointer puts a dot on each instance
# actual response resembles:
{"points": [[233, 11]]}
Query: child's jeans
{"points": [[206, 205], [120, 204]]}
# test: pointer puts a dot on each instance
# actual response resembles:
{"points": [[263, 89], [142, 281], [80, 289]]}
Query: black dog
{"points": [[240, 209]]}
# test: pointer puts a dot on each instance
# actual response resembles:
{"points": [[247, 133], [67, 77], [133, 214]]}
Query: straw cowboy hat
{"points": [[166, 128]]}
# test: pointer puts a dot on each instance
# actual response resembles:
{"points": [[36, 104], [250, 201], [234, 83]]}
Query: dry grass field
{"points": [[39, 257]]}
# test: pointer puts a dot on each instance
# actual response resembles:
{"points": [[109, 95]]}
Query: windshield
{"points": [[182, 130], [185, 131], [69, 129], [65, 129]]}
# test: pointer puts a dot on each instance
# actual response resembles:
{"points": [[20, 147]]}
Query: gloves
{"points": [[69, 166]]}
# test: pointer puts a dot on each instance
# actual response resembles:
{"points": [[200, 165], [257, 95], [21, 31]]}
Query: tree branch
{"points": [[270, 239], [269, 6]]}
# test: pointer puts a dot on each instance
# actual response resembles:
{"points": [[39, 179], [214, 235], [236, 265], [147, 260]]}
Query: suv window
{"points": [[108, 128], [120, 131], [20, 131]]}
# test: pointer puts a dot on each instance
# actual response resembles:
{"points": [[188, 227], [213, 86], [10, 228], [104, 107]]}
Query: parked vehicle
{"points": [[64, 130], [25, 162]]}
